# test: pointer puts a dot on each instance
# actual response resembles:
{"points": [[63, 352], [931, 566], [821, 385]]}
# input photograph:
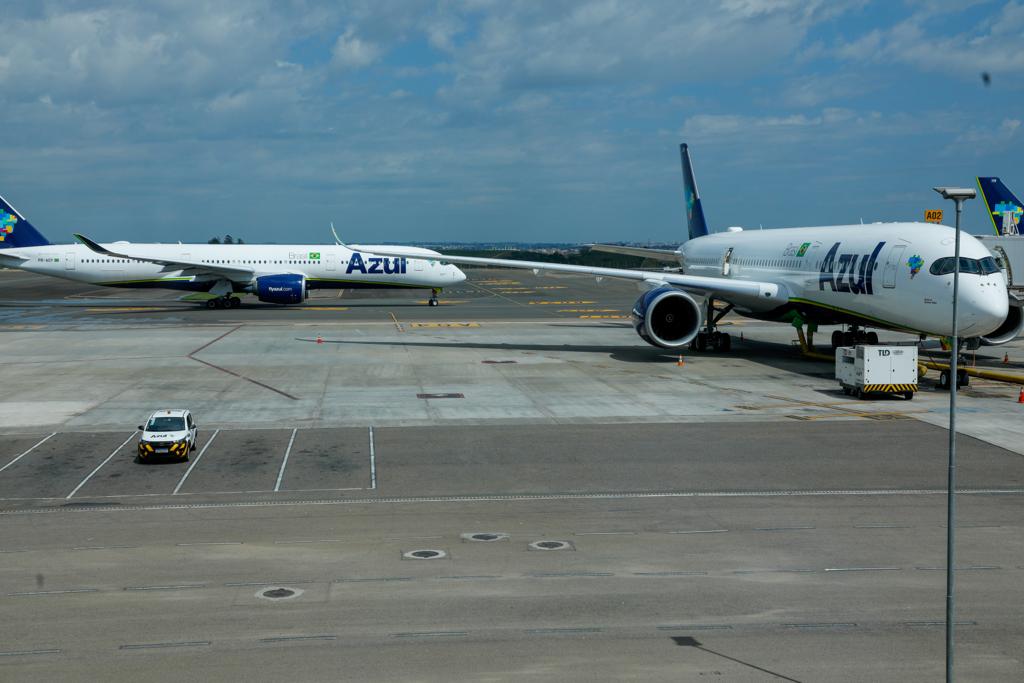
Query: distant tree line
{"points": [[600, 259], [228, 239]]}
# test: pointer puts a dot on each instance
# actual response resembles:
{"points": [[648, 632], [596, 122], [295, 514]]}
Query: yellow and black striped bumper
{"points": [[888, 388]]}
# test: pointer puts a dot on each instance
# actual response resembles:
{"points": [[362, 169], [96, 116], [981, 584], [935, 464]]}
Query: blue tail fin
{"points": [[15, 231], [695, 222], [1003, 207]]}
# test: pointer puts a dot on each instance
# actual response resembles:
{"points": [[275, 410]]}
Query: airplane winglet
{"points": [[93, 246], [337, 240]]}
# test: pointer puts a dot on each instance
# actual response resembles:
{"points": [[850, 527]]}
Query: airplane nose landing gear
{"points": [[432, 301]]}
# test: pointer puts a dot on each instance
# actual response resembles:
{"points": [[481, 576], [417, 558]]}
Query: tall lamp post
{"points": [[958, 195]]}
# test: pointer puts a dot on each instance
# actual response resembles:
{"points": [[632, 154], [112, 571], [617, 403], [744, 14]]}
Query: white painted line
{"points": [[373, 463], [98, 467], [194, 463], [28, 451], [284, 463]]}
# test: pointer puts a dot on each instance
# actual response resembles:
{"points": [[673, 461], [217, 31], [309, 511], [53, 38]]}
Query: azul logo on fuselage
{"points": [[853, 273], [376, 265]]}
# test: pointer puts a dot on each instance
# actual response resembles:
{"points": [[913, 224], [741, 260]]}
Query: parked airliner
{"points": [[896, 276], [278, 273]]}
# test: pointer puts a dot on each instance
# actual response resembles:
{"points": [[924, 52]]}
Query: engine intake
{"points": [[1009, 330], [667, 317], [281, 289]]}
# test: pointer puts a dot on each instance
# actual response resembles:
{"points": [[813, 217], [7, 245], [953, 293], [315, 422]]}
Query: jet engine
{"points": [[667, 317], [1008, 331], [281, 289]]}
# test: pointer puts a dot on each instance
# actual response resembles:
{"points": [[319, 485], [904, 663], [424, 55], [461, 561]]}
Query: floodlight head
{"points": [[956, 193]]}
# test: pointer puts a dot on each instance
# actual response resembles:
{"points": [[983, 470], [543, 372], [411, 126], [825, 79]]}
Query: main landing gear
{"points": [[853, 337], [710, 337], [432, 301], [224, 302]]}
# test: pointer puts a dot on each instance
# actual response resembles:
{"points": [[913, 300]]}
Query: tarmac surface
{"points": [[723, 516]]}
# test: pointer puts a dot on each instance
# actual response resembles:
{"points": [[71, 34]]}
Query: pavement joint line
{"points": [[181, 545], [694, 627], [782, 528], [104, 547], [165, 588], [982, 567], [244, 584], [881, 526], [847, 624], [373, 463], [318, 540], [284, 462], [100, 466], [146, 646], [679, 573], [247, 379], [470, 577], [16, 459], [604, 533], [195, 462], [398, 325], [700, 531], [863, 569], [284, 639], [60, 592], [430, 634], [379, 578], [567, 575], [568, 629], [21, 653], [776, 571], [526, 498]]}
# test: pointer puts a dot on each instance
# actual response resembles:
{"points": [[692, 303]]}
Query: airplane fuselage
{"points": [[323, 266], [876, 275]]}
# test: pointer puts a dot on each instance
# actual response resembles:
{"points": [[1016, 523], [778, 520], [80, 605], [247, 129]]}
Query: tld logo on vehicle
{"points": [[376, 265], [7, 222], [842, 274]]}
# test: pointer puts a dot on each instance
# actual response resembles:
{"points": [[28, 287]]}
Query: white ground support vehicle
{"points": [[864, 370], [169, 433]]}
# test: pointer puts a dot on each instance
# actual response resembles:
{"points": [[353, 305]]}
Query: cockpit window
{"points": [[982, 266]]}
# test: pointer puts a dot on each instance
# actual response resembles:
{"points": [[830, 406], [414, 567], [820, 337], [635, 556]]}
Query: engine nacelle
{"points": [[667, 317], [281, 289], [1009, 330]]}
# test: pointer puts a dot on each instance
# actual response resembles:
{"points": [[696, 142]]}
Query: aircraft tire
{"points": [[944, 380], [701, 342], [211, 303], [962, 379]]}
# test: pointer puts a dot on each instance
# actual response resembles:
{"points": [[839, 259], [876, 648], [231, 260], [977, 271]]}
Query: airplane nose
{"points": [[986, 307], [458, 274]]}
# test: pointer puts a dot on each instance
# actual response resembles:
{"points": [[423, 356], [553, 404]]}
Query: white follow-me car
{"points": [[167, 434]]}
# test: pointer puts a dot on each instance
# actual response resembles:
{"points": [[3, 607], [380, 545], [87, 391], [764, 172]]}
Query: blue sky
{"points": [[498, 120]]}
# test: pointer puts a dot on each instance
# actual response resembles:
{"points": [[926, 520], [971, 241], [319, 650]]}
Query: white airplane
{"points": [[895, 276], [279, 274]]}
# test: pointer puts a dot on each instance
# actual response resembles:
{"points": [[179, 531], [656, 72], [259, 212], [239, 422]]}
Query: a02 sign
{"points": [[933, 216]]}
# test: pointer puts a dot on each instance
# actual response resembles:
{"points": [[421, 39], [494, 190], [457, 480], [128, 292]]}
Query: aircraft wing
{"points": [[221, 269], [718, 287], [671, 255]]}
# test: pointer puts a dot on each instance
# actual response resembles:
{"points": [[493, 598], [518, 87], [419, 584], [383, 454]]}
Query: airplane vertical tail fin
{"points": [[1003, 207], [15, 231], [695, 222]]}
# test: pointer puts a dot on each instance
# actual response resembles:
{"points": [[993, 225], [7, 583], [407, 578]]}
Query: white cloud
{"points": [[352, 52]]}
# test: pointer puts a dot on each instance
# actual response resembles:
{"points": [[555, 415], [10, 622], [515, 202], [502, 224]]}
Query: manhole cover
{"points": [[551, 545], [485, 537], [279, 593], [425, 554]]}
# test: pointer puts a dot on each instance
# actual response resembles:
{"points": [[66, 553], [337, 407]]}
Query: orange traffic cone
{"points": [[319, 339], [1020, 397], [1006, 359], [681, 363]]}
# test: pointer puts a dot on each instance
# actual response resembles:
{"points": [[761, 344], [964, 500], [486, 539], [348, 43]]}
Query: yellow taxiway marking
{"points": [[605, 317], [589, 310], [559, 303], [444, 324]]}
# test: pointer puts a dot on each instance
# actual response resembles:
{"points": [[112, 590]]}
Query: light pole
{"points": [[958, 195]]}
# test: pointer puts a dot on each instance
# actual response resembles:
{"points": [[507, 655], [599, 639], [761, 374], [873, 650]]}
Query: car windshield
{"points": [[166, 424], [982, 266]]}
